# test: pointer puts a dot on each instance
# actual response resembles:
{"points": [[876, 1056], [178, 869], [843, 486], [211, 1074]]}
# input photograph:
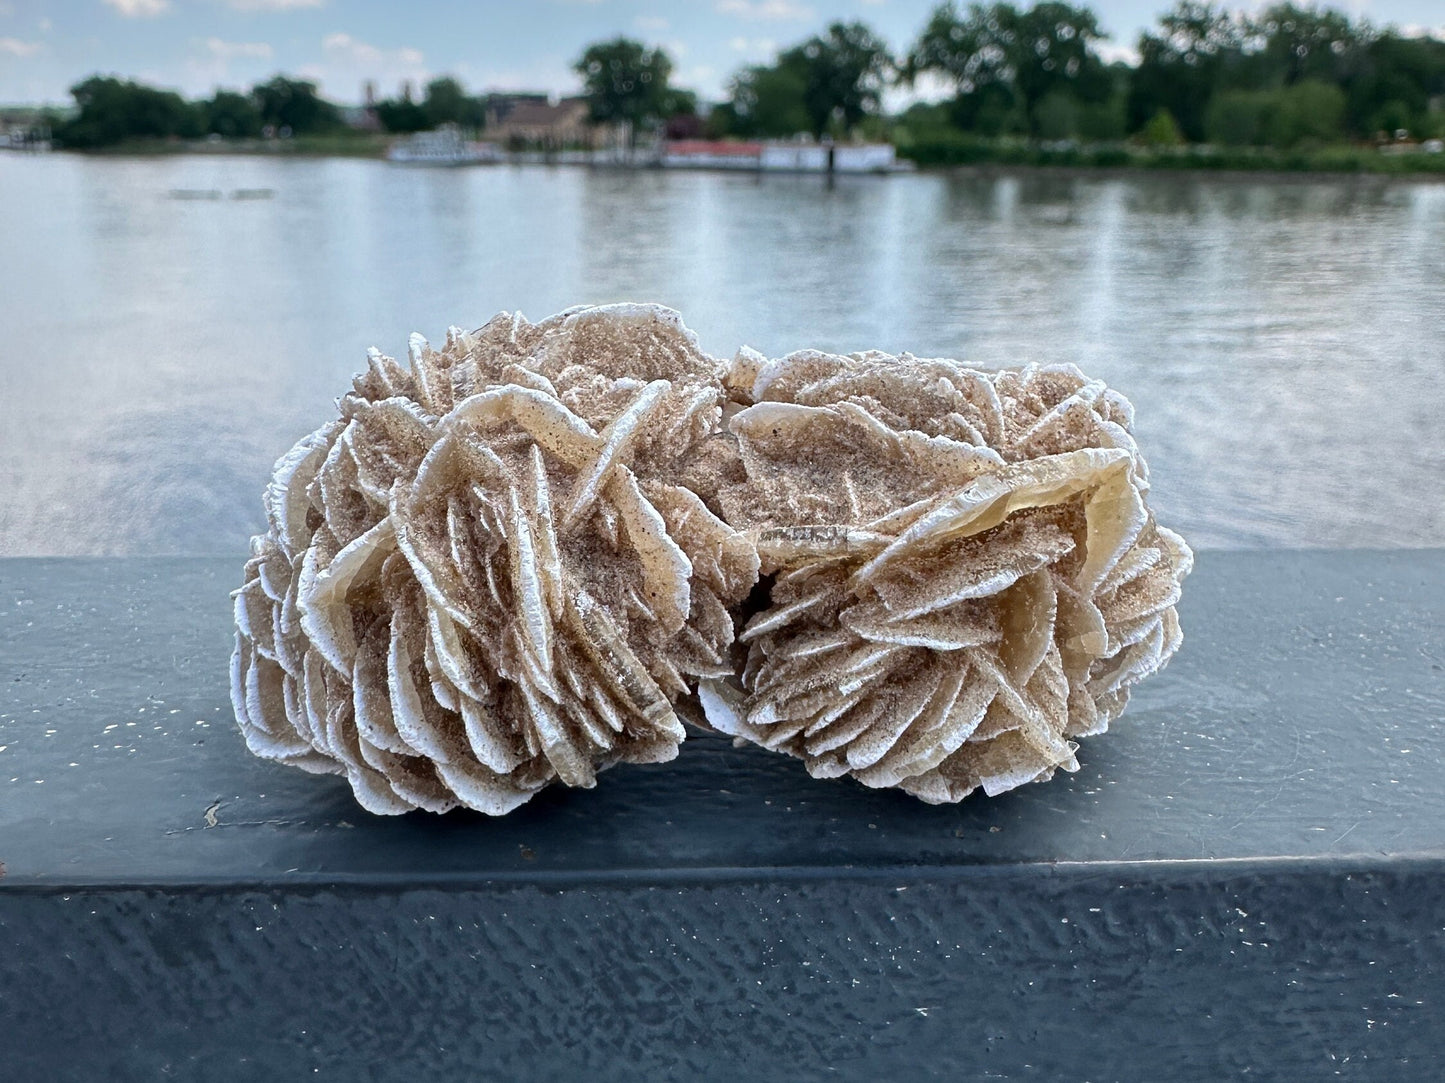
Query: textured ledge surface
{"points": [[1244, 875]]}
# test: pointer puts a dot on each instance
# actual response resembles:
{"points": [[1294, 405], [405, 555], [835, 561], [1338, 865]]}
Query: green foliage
{"points": [[1292, 75], [1238, 118], [830, 84], [403, 116], [1197, 46], [1056, 117], [446, 102], [1103, 122], [293, 104], [1161, 131], [679, 103], [232, 115], [111, 111], [1308, 112], [960, 149], [923, 122], [842, 74], [626, 81], [1007, 63], [767, 102], [1294, 79], [1308, 43], [1395, 84], [993, 109]]}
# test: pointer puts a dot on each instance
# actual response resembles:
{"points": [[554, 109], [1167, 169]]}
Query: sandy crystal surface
{"points": [[525, 556]]}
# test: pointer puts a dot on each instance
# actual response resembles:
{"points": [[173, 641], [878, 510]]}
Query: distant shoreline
{"points": [[1234, 174], [1356, 164]]}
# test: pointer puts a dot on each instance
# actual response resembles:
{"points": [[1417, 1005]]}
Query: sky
{"points": [[197, 45]]}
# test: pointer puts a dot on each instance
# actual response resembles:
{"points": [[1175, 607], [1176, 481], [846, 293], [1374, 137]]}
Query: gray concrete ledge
{"points": [[1244, 876]]}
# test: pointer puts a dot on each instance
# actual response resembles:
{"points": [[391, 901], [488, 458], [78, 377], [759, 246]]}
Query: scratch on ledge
{"points": [[1347, 830], [1284, 781], [236, 823]]}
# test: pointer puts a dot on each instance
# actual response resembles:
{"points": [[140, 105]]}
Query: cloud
{"points": [[930, 86], [273, 5], [216, 62], [139, 9], [346, 47], [765, 10], [347, 62], [753, 46], [1110, 51], [650, 23], [16, 47], [550, 72], [225, 50]]}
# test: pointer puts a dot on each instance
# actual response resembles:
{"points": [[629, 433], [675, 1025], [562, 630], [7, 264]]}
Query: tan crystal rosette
{"points": [[519, 558], [489, 572], [965, 574]]}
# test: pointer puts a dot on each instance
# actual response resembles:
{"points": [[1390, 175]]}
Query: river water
{"points": [[1283, 341]]}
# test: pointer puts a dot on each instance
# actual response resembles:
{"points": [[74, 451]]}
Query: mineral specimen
{"points": [[485, 575], [519, 558], [964, 576]]}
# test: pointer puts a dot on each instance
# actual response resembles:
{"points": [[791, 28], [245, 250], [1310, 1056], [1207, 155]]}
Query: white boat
{"points": [[781, 156], [445, 146]]}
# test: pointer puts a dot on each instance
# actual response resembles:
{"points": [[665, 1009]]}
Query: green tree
{"points": [[1011, 60], [1161, 131], [993, 109], [1106, 120], [1056, 116], [626, 82], [1197, 47], [1309, 43], [402, 115], [842, 74], [1239, 118], [447, 102], [1307, 112], [767, 101], [111, 110], [294, 104], [232, 115], [1398, 80]]}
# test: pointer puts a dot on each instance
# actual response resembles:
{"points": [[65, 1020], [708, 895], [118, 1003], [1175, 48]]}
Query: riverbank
{"points": [[941, 154], [1333, 160], [341, 145]]}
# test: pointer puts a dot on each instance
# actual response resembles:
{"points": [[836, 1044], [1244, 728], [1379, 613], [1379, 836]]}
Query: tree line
{"points": [[1285, 77], [112, 110]]}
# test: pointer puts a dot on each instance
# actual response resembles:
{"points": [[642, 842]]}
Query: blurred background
{"points": [[209, 209]]}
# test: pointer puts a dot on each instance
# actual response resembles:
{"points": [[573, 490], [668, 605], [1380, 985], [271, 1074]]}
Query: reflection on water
{"points": [[1284, 342]]}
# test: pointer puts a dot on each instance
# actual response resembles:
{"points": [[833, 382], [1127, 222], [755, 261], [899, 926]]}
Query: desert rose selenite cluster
{"points": [[525, 556]]}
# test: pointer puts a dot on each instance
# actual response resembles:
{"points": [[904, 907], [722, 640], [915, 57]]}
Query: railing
{"points": [[1243, 877]]}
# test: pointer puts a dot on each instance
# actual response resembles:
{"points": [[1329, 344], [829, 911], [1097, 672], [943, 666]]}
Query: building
{"points": [[533, 121], [27, 127]]}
